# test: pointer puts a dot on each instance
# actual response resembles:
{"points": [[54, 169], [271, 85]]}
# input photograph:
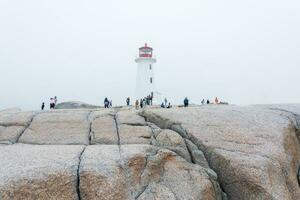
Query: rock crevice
{"points": [[78, 174], [28, 125], [196, 153]]}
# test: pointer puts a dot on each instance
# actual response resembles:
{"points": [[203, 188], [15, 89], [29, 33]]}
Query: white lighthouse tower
{"points": [[145, 81]]}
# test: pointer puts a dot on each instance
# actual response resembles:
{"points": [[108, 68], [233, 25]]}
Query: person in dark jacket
{"points": [[43, 106], [141, 103], [186, 102], [106, 102]]}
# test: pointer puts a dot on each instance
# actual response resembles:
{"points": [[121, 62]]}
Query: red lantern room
{"points": [[145, 52]]}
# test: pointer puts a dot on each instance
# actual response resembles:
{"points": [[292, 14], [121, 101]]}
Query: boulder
{"points": [[75, 105], [39, 171]]}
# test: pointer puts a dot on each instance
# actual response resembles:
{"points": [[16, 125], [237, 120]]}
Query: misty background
{"points": [[244, 52]]}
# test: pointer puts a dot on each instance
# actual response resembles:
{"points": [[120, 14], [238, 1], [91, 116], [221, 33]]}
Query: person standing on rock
{"points": [[144, 102], [203, 101], [151, 98], [186, 102], [106, 103], [52, 103], [137, 104], [128, 101], [141, 103], [55, 101], [110, 103], [169, 105], [43, 106], [216, 100]]}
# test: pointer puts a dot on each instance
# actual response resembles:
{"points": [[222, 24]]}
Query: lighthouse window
{"points": [[151, 80], [150, 66]]}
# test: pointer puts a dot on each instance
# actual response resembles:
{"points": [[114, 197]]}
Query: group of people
{"points": [[139, 104], [146, 101], [165, 104], [208, 102], [53, 102], [107, 103]]}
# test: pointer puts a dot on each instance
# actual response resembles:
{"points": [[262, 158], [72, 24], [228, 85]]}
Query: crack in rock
{"points": [[78, 173], [90, 126], [147, 182], [28, 125], [298, 174], [168, 124], [117, 128], [115, 117]]}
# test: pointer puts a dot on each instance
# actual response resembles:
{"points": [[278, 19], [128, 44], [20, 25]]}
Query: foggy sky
{"points": [[244, 52]]}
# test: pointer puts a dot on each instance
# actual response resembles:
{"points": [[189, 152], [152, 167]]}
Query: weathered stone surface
{"points": [[58, 128], [10, 110], [134, 134], [10, 134], [39, 171], [100, 113], [16, 118], [130, 117], [104, 130], [140, 172], [254, 150]]}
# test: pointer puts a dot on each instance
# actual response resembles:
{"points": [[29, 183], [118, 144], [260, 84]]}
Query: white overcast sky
{"points": [[244, 52]]}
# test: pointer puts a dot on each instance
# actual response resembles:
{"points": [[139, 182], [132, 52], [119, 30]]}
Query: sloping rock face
{"points": [[254, 150], [209, 152]]}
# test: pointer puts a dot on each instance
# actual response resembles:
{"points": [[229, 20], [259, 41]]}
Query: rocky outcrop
{"points": [[208, 152], [254, 150]]}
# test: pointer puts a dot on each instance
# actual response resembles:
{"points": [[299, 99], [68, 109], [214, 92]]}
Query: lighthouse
{"points": [[145, 81]]}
